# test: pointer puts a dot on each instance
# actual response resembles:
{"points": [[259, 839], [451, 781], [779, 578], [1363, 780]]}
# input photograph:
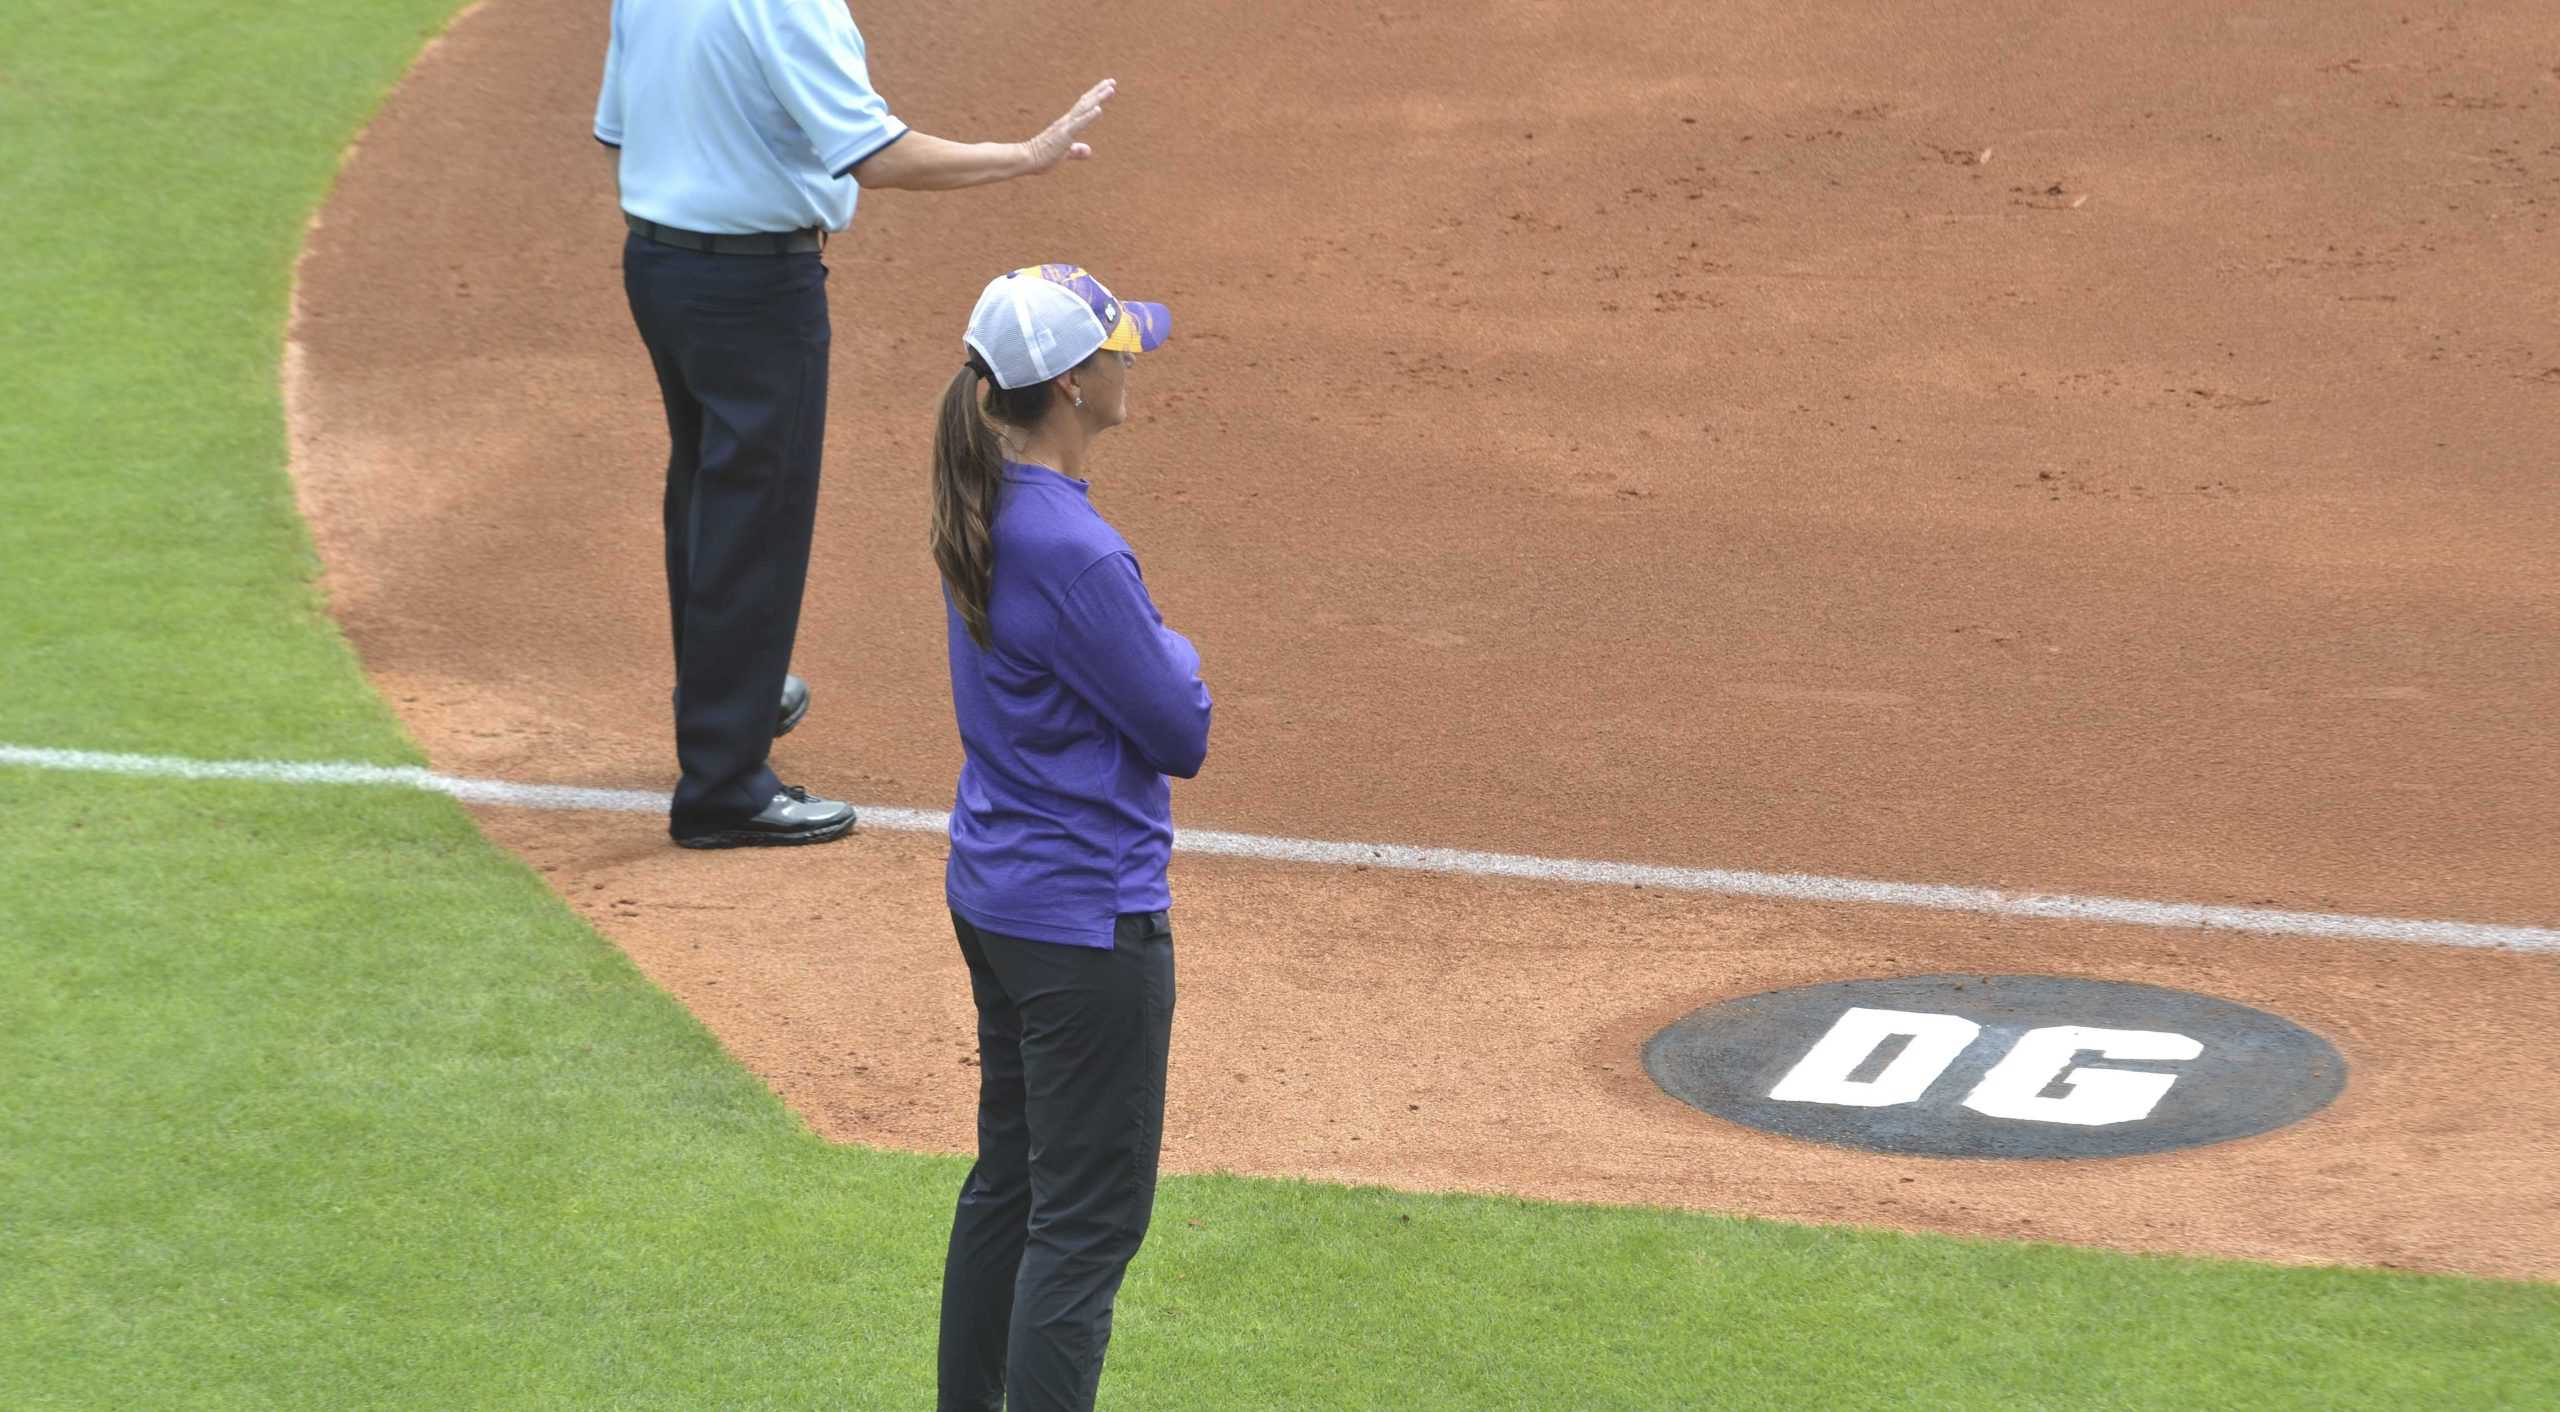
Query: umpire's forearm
{"points": [[920, 161]]}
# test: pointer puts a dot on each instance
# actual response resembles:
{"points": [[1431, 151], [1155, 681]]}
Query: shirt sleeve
{"points": [[1115, 651], [609, 96], [818, 69]]}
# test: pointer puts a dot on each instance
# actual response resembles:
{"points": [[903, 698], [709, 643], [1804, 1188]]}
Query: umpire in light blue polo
{"points": [[744, 130]]}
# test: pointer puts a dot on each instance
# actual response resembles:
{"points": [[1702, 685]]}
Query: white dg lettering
{"points": [[2016, 1088]]}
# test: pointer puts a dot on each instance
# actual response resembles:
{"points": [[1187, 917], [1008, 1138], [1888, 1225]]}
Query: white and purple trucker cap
{"points": [[1034, 323]]}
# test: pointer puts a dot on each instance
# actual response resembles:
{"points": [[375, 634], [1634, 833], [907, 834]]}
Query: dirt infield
{"points": [[1943, 444]]}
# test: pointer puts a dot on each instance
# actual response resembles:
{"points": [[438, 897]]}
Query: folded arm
{"points": [[1115, 652]]}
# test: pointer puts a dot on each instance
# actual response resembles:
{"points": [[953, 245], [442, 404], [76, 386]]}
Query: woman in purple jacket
{"points": [[1074, 701]]}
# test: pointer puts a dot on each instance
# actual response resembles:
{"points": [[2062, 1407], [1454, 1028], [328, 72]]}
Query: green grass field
{"points": [[316, 1100]]}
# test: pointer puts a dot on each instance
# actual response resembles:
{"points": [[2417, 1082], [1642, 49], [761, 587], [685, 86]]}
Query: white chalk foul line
{"points": [[1796, 887]]}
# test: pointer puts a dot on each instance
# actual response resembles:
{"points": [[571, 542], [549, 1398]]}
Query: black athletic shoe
{"points": [[795, 704], [794, 816]]}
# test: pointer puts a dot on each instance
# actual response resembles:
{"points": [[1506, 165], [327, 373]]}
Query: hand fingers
{"points": [[1089, 107], [1059, 139]]}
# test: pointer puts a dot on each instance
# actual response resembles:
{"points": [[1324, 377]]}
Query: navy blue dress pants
{"points": [[740, 347], [1072, 1045]]}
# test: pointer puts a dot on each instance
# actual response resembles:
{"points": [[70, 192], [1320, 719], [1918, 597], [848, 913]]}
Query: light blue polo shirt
{"points": [[739, 116]]}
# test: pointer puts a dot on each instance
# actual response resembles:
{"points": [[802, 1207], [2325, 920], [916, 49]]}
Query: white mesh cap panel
{"points": [[1030, 330]]}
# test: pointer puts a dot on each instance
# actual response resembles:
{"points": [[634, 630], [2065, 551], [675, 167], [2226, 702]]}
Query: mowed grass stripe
{"points": [[315, 1100], [157, 164]]}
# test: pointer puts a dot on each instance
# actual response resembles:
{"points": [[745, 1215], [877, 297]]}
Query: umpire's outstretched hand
{"points": [[922, 162], [1057, 143]]}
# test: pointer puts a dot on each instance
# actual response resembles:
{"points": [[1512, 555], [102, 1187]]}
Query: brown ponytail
{"points": [[968, 473], [968, 469]]}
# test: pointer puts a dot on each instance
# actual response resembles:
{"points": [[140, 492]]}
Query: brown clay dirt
{"points": [[2105, 454]]}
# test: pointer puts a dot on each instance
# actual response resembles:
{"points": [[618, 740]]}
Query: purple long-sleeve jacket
{"points": [[1071, 718]]}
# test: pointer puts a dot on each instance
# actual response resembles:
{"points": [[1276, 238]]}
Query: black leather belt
{"points": [[789, 242]]}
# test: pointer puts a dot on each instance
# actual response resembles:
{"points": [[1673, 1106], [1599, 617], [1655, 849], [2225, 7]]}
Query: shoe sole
{"points": [[748, 838]]}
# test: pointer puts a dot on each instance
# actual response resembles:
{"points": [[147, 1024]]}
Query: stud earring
{"points": [[1079, 399]]}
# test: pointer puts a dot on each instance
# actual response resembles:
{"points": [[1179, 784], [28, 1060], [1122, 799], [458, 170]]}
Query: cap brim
{"points": [[1142, 328]]}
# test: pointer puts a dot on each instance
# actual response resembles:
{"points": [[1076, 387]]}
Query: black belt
{"points": [[789, 242]]}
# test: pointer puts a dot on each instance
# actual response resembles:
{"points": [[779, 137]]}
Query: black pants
{"points": [[1072, 1044], [740, 346]]}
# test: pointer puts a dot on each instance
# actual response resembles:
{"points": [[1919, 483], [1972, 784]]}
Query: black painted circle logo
{"points": [[1997, 1066]]}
